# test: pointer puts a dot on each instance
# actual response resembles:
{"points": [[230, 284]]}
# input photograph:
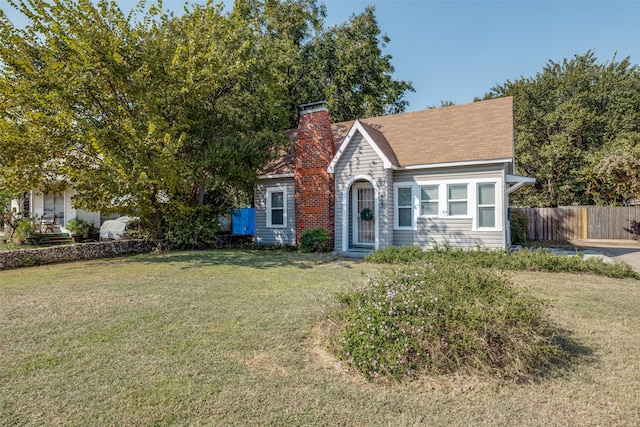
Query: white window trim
{"points": [[448, 200], [443, 201], [496, 203], [396, 217], [278, 189], [435, 202]]}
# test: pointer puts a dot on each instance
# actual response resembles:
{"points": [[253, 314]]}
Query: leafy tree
{"points": [[572, 120], [354, 76], [616, 177], [343, 64], [143, 112], [447, 103], [140, 111]]}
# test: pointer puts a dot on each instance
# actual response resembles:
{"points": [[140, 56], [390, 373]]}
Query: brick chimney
{"points": [[314, 186]]}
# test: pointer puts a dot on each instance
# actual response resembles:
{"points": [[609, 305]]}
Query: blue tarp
{"points": [[244, 221]]}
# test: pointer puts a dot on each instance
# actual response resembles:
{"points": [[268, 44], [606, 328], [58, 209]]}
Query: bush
{"points": [[189, 226], [315, 240], [532, 260], [77, 226], [442, 318], [518, 226], [24, 230]]}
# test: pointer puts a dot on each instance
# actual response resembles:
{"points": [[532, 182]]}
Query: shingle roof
{"points": [[461, 133]]}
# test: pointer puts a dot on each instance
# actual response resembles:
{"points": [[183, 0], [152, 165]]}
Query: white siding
{"points": [[458, 232], [359, 162], [274, 236], [90, 217], [37, 208]]}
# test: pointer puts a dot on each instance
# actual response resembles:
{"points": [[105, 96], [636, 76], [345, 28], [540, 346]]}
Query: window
{"points": [[486, 205], [404, 212], [457, 198], [276, 207], [429, 200]]}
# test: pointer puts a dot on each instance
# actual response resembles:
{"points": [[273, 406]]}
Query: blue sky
{"points": [[457, 50]]}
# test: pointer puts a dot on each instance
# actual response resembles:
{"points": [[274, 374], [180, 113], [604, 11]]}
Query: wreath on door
{"points": [[366, 214]]}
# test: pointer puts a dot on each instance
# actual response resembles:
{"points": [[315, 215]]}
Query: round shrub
{"points": [[315, 240], [441, 318]]}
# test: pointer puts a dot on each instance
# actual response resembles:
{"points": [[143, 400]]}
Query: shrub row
{"points": [[532, 260]]}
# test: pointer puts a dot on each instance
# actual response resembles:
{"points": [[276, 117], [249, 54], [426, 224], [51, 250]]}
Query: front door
{"points": [[54, 205], [364, 215]]}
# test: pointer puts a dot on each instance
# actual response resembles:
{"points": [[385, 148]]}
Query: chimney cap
{"points": [[312, 107]]}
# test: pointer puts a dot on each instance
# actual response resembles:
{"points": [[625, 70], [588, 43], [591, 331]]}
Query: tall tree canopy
{"points": [[343, 64], [577, 131], [144, 111]]}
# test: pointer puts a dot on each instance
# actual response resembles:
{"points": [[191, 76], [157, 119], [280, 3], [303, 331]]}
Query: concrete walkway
{"points": [[620, 250]]}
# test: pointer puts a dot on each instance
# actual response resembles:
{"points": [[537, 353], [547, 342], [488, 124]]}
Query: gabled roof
{"points": [[480, 131]]}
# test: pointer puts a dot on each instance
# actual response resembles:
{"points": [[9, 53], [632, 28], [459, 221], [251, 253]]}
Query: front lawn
{"points": [[230, 338]]}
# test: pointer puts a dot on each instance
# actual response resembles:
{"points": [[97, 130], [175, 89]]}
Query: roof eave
{"points": [[457, 164], [276, 176]]}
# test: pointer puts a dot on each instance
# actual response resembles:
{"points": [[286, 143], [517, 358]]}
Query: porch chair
{"points": [[48, 224]]}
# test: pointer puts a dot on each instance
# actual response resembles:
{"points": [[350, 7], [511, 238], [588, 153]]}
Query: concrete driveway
{"points": [[620, 250]]}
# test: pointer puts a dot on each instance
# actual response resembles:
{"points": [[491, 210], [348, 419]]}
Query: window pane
{"points": [[457, 208], [429, 208], [486, 194], [458, 191], [404, 196], [487, 217], [404, 217], [277, 216], [429, 192], [277, 199]]}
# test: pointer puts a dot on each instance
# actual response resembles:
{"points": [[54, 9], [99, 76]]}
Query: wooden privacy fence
{"points": [[582, 222]]}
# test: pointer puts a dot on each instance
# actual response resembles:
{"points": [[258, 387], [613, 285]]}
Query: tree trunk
{"points": [[196, 237]]}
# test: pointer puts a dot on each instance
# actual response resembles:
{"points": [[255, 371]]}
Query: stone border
{"points": [[75, 252]]}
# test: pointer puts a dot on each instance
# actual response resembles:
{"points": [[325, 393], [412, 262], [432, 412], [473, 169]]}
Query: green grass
{"points": [[232, 338]]}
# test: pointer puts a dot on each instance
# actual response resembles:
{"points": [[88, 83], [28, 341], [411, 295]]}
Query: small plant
{"points": [[24, 231], [441, 318], [315, 240], [77, 227], [92, 228]]}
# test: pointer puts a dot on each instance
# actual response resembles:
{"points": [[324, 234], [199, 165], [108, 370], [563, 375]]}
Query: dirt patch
{"points": [[263, 363]]}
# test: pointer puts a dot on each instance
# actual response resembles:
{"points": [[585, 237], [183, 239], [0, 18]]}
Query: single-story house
{"points": [[56, 205], [432, 176]]}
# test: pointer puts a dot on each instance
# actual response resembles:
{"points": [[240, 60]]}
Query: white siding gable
{"points": [[358, 128]]}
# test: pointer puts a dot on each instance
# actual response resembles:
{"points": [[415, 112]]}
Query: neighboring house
{"points": [[438, 175], [36, 204]]}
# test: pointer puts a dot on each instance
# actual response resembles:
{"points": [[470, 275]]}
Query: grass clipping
{"points": [[441, 318]]}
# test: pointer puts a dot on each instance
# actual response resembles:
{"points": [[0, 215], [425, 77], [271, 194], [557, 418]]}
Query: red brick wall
{"points": [[314, 186]]}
